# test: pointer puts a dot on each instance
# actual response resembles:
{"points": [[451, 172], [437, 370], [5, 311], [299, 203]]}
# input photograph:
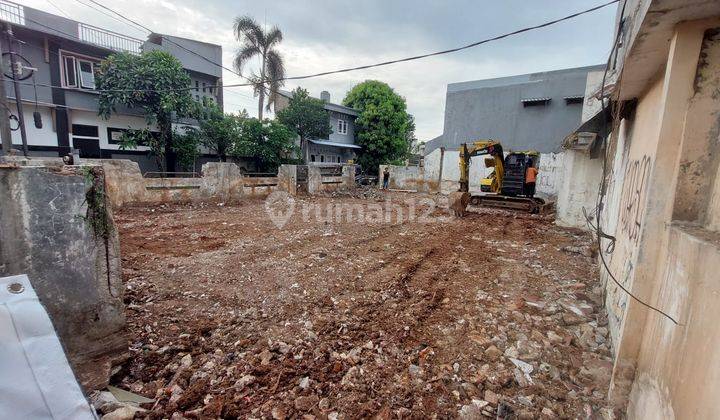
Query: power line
{"points": [[58, 8], [452, 50], [385, 63], [108, 15], [400, 60], [599, 233]]}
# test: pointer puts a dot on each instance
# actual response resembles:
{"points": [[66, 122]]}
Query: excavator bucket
{"points": [[458, 202]]}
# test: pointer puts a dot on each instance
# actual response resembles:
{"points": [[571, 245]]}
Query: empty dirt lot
{"points": [[495, 315]]}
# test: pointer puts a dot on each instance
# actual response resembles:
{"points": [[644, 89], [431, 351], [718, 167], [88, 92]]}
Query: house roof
{"points": [[328, 105], [335, 144]]}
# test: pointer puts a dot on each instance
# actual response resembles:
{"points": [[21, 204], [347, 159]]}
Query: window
{"points": [[204, 87], [312, 158], [87, 74], [322, 158], [86, 139], [342, 126], [114, 135], [570, 100], [77, 71], [69, 70], [197, 86]]}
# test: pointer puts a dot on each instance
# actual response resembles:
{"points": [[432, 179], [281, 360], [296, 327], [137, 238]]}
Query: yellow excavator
{"points": [[505, 187]]}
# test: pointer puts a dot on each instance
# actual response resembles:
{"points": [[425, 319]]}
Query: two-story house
{"points": [[65, 55], [340, 145]]}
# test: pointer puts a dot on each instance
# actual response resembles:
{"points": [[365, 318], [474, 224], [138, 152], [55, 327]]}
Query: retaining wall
{"points": [[45, 233]]}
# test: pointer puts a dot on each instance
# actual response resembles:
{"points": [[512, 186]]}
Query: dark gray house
{"points": [[530, 111], [66, 55], [340, 145]]}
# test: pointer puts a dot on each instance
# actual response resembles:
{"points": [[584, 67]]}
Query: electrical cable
{"points": [[600, 234], [385, 63]]}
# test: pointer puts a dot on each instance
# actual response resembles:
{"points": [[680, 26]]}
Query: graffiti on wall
{"points": [[634, 195]]}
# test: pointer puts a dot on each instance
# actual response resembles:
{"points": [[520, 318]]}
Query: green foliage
{"points": [[306, 116], [97, 215], [153, 82], [216, 130], [384, 128], [256, 41], [131, 139], [185, 145], [269, 143]]}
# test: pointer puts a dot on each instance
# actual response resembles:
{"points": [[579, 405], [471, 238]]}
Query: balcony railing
{"points": [[108, 39], [12, 12]]}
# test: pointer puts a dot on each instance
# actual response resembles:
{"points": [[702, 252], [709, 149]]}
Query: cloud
{"points": [[322, 34]]}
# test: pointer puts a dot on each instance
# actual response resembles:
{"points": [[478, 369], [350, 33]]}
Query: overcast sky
{"points": [[329, 34]]}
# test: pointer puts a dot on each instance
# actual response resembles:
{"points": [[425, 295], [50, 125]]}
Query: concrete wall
{"points": [[320, 182], [578, 189], [74, 270], [581, 172], [492, 109], [218, 182], [661, 207]]}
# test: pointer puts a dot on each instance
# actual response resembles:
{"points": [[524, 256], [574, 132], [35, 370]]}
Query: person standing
{"points": [[530, 179], [386, 178]]}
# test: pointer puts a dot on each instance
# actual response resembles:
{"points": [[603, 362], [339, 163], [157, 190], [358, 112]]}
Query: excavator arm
{"points": [[478, 148]]}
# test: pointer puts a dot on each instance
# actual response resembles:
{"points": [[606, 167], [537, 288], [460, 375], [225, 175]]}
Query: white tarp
{"points": [[36, 381]]}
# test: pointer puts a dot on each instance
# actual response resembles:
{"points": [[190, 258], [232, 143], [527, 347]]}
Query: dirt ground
{"points": [[495, 315]]}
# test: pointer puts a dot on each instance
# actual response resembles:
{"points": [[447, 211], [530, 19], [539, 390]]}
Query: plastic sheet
{"points": [[36, 381]]}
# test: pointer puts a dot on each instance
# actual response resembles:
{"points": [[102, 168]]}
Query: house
{"points": [[340, 146], [660, 205], [66, 54], [529, 111]]}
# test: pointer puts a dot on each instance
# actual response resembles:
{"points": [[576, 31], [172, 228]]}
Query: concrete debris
{"points": [[384, 320]]}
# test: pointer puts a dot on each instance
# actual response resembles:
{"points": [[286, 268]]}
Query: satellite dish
{"points": [[24, 66]]}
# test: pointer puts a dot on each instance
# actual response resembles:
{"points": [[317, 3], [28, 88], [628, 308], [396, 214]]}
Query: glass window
{"points": [[342, 126], [69, 71], [87, 75]]}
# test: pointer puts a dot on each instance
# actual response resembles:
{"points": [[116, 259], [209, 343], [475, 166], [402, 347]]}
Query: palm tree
{"points": [[257, 42]]}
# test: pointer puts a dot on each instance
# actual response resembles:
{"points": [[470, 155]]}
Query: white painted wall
{"points": [[45, 136], [115, 121]]}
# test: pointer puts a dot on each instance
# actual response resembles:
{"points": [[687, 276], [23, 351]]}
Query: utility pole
{"points": [[5, 133], [18, 98]]}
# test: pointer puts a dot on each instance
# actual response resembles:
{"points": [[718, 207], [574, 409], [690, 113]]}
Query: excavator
{"points": [[505, 187]]}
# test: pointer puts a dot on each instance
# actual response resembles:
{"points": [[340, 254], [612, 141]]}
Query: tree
{"points": [[258, 42], [153, 82], [383, 128], [268, 143], [216, 130], [307, 117]]}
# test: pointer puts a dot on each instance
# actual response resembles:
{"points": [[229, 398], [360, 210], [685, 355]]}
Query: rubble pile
{"points": [[491, 316]]}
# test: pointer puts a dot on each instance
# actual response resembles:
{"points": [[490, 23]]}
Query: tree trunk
{"points": [[165, 127], [261, 101]]}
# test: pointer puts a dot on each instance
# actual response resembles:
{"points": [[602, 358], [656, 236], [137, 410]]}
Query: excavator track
{"points": [[531, 205]]}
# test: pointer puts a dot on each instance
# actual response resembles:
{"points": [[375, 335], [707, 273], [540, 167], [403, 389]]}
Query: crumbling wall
{"points": [[659, 209], [339, 180], [218, 182], [577, 189], [56, 227]]}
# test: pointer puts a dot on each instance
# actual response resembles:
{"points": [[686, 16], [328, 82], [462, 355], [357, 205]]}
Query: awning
{"points": [[335, 144], [534, 101], [585, 137]]}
